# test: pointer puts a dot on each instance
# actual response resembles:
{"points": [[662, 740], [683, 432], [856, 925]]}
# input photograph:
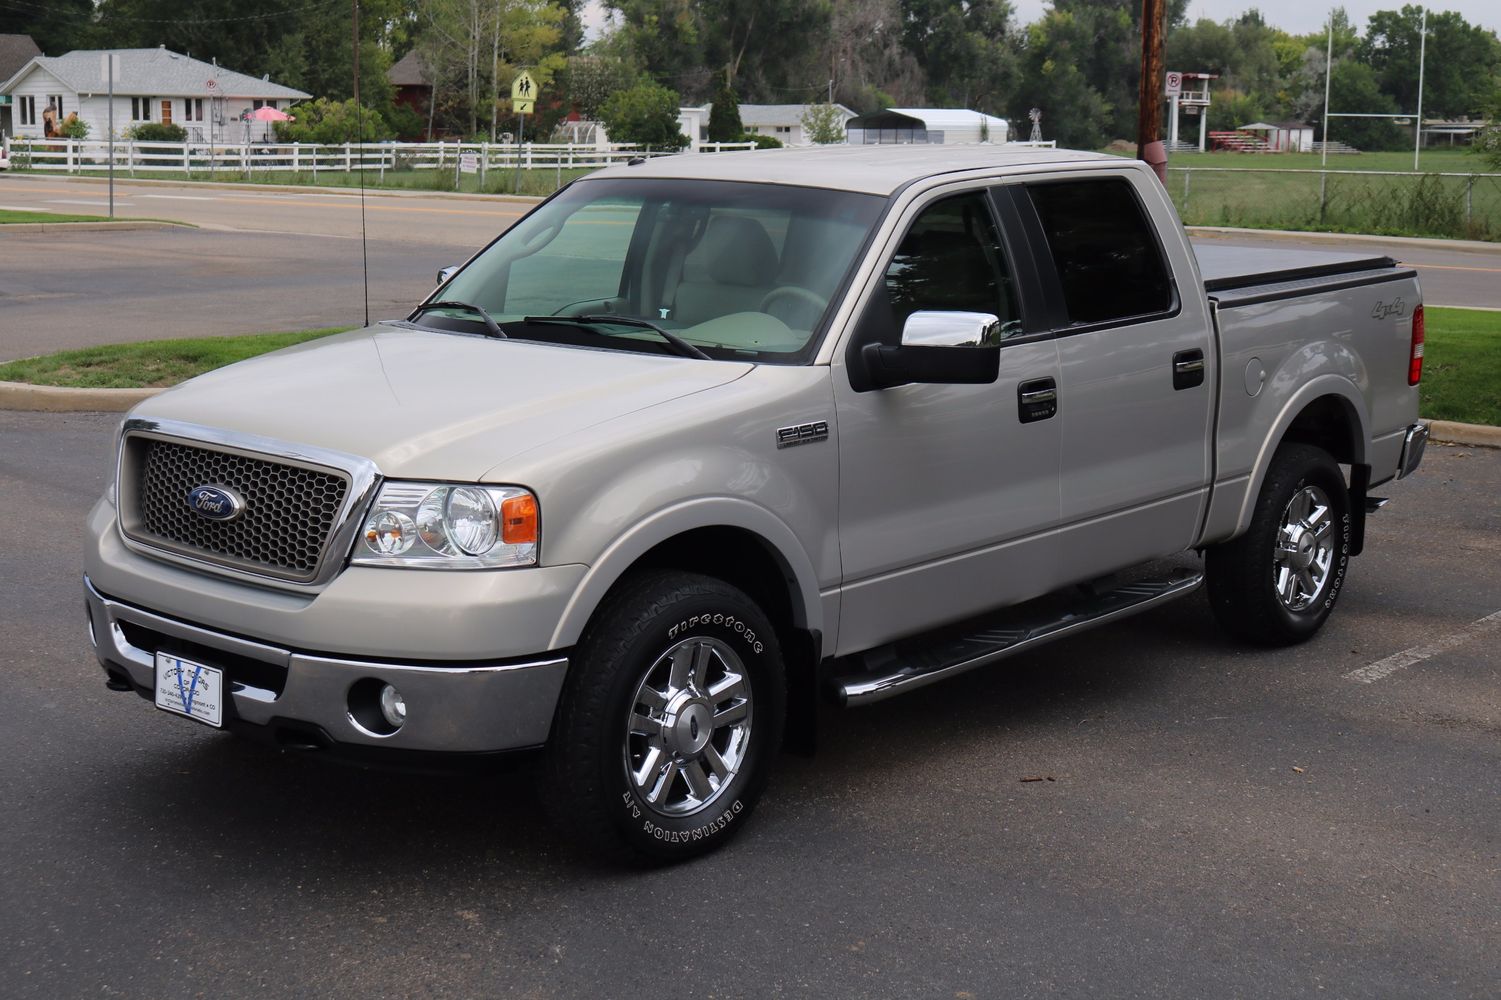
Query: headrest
{"points": [[734, 251]]}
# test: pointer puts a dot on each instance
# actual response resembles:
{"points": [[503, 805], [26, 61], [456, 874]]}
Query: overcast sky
{"points": [[1296, 16], [1301, 17]]}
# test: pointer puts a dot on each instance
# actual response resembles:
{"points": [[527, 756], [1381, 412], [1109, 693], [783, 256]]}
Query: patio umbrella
{"points": [[265, 114]]}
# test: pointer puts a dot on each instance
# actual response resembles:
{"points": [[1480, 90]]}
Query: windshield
{"points": [[738, 270]]}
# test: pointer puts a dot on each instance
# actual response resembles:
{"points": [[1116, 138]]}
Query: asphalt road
{"points": [[281, 260], [1222, 822]]}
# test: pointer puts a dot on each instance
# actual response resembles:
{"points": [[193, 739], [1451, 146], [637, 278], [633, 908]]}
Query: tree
{"points": [[1353, 89], [823, 124], [646, 115], [724, 117], [1460, 69], [333, 122], [587, 81]]}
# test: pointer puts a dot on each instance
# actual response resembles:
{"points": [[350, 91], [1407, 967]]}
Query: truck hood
{"points": [[430, 405]]}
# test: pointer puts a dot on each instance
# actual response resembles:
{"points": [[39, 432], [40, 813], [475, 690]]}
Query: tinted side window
{"points": [[951, 260], [1104, 249]]}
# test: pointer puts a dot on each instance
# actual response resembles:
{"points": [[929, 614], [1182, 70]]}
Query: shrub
{"points": [[762, 141], [75, 128], [724, 116], [157, 132], [330, 123]]}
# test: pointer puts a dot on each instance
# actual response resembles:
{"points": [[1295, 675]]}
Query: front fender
{"points": [[669, 522]]}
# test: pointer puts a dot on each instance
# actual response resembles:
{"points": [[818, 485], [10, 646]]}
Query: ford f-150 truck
{"points": [[701, 440]]}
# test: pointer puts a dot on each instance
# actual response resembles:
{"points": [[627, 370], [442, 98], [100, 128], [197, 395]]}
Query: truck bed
{"points": [[1231, 268]]}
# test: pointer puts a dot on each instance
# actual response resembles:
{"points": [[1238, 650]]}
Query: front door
{"points": [[946, 494], [166, 112]]}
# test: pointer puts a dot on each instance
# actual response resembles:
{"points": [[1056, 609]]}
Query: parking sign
{"points": [[1174, 83]]}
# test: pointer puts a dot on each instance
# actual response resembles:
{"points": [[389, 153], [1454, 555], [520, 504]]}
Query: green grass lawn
{"points": [[11, 216], [1462, 366], [1459, 161], [150, 363]]}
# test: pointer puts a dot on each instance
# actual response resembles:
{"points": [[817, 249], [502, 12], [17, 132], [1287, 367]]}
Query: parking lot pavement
{"points": [[1210, 820]]}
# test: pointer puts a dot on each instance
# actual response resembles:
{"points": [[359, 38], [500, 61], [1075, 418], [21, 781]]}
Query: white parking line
{"points": [[79, 201], [1372, 672]]}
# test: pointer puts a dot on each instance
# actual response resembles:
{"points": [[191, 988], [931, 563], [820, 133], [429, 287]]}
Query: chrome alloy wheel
{"points": [[1305, 549], [689, 726]]}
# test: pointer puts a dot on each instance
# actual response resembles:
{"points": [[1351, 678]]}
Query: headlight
{"points": [[449, 526]]}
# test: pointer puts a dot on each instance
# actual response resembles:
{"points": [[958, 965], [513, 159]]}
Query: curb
{"points": [[56, 399], [125, 225], [1419, 242], [1475, 435]]}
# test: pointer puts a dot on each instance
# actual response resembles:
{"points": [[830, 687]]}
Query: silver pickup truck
{"points": [[702, 440]]}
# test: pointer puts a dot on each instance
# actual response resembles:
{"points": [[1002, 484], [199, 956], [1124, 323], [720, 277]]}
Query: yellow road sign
{"points": [[524, 88], [523, 107]]}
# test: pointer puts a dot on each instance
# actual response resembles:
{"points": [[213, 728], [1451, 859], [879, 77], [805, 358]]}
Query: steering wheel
{"points": [[796, 294]]}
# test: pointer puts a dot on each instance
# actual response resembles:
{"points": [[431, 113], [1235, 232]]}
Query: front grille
{"points": [[290, 510]]}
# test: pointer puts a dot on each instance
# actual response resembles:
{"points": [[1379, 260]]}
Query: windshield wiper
{"points": [[677, 343], [490, 324]]}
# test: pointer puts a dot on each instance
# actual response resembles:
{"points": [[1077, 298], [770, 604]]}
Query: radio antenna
{"points": [[359, 118]]}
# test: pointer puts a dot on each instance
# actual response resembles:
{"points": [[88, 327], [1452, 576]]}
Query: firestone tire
{"points": [[669, 722], [1277, 584]]}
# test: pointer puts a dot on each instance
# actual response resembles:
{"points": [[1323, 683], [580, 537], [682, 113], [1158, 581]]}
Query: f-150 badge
{"points": [[787, 437]]}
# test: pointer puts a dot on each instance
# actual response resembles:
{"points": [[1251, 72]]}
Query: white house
{"points": [[151, 85], [784, 121], [926, 125]]}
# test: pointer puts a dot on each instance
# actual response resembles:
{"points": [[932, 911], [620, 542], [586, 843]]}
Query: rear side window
{"points": [[1104, 249]]}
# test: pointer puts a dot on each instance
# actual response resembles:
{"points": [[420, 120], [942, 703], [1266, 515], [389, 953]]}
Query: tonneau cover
{"points": [[1230, 267]]}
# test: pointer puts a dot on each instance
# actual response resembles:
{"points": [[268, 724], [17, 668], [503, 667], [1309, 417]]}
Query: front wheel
{"points": [[1276, 584], [670, 719]]}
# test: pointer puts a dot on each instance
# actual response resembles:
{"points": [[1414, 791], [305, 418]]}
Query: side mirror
{"points": [[444, 273], [938, 348]]}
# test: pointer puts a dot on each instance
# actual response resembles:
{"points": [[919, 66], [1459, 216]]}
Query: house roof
{"points": [[155, 72], [16, 51], [781, 114], [408, 71]]}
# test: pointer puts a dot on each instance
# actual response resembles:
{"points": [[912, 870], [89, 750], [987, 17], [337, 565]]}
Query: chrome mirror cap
{"points": [[444, 273], [930, 328]]}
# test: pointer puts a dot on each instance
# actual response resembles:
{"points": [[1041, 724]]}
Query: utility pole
{"points": [[1149, 145]]}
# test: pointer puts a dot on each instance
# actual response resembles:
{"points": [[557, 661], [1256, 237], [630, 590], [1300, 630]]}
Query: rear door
{"points": [[1135, 345]]}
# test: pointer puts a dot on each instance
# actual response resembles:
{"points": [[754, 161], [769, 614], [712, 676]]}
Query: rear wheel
{"points": [[1276, 584], [670, 719]]}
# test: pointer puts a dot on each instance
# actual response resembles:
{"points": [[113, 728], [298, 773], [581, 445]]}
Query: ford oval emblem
{"points": [[217, 503]]}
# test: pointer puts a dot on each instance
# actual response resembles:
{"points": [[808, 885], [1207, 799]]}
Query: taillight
{"points": [[1415, 362]]}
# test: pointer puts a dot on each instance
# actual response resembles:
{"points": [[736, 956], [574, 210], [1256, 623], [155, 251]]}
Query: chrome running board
{"points": [[912, 664]]}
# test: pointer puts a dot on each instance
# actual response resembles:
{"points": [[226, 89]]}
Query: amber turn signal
{"points": [[518, 520]]}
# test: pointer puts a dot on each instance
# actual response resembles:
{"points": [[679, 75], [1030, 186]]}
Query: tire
{"points": [[1276, 584], [669, 722]]}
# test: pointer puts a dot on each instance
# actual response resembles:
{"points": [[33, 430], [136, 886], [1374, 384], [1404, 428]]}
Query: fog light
{"points": [[393, 706]]}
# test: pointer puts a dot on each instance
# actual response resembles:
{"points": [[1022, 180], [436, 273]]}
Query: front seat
{"points": [[730, 271]]}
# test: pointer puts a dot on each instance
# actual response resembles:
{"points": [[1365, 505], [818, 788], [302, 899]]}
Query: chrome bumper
{"points": [[462, 708], [1412, 450]]}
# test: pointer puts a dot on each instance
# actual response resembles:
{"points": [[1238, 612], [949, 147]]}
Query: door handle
{"points": [[1188, 369], [1036, 399]]}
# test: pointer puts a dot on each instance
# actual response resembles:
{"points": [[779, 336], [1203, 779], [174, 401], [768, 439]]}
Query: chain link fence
{"points": [[1449, 205]]}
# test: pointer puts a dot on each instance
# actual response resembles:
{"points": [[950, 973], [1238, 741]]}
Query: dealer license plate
{"points": [[191, 689]]}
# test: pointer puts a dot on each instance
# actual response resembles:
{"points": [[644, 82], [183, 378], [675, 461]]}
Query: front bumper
{"points": [[451, 708]]}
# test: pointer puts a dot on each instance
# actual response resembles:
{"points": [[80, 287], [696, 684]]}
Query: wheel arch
{"points": [[1327, 412], [732, 540]]}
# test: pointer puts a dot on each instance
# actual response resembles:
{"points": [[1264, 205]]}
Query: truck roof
{"points": [[870, 169]]}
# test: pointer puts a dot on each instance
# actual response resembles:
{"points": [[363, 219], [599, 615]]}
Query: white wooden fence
{"points": [[195, 158]]}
